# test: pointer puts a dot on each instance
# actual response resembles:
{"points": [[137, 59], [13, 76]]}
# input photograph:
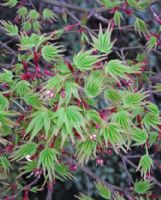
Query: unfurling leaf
{"points": [[117, 196], [110, 3], [142, 186], [139, 5], [103, 190], [145, 164], [139, 136], [84, 60], [117, 70], [86, 150], [114, 96], [11, 30], [112, 134], [140, 26], [123, 119], [83, 197], [4, 103], [22, 88], [93, 86], [103, 41], [48, 159], [33, 15], [152, 43], [117, 18], [22, 12], [10, 3], [49, 14], [51, 52], [134, 99], [41, 120], [24, 150], [151, 120]]}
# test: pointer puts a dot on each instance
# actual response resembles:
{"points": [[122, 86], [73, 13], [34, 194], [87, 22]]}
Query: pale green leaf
{"points": [[11, 29], [142, 186]]}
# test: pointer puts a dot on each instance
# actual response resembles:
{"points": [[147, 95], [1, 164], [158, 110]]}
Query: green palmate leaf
{"points": [[11, 30], [22, 12], [5, 121], [4, 103], [10, 3], [27, 26], [152, 43], [140, 26], [134, 99], [24, 150], [151, 120], [157, 87], [33, 100], [141, 57], [117, 196], [153, 137], [41, 120], [117, 18], [28, 167], [103, 190], [71, 90], [110, 3], [35, 40], [6, 76], [139, 136], [69, 119], [83, 197], [48, 159], [84, 60], [49, 15], [36, 26], [153, 108], [33, 15], [26, 42], [145, 164], [142, 186], [62, 172], [114, 96], [139, 5], [22, 88], [117, 70], [56, 83], [51, 52], [112, 134], [5, 164], [92, 115], [103, 41], [93, 86], [86, 150], [123, 119]]}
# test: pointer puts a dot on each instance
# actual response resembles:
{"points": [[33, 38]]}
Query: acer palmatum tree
{"points": [[51, 121]]}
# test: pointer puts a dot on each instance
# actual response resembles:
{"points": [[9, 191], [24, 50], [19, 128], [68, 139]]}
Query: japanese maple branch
{"points": [[74, 7]]}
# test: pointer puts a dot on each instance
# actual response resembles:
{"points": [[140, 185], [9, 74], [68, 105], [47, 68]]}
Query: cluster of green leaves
{"points": [[60, 112]]}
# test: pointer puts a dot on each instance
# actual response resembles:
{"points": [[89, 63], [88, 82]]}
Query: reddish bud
{"points": [[48, 73], [63, 93], [97, 126], [100, 162], [73, 167], [93, 137], [25, 65], [70, 67], [71, 27], [36, 58]]}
